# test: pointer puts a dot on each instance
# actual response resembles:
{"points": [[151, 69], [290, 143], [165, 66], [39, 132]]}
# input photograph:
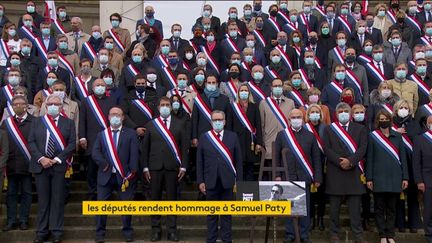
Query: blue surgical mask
{"points": [[429, 31], [50, 81], [109, 46], [218, 126], [341, 42], [275, 59], [233, 15], [115, 23], [176, 34], [26, 50], [108, 80], [28, 23], [210, 38], [258, 76], [343, 117], [176, 105], [396, 42], [233, 33], [359, 117], [96, 35], [314, 117], [103, 59], [46, 31], [248, 58], [421, 70], [293, 18], [277, 91], [244, 95], [199, 78], [211, 87], [164, 111], [325, 31], [182, 83], [173, 61], [344, 11], [378, 57], [296, 123], [236, 61], [428, 54], [15, 62], [31, 9], [115, 121], [201, 61], [136, 59], [14, 80], [340, 75], [53, 62], [401, 74], [309, 60], [296, 82], [165, 50], [53, 110], [282, 41], [368, 49], [12, 32], [296, 39], [62, 14], [100, 90], [381, 13], [63, 45]]}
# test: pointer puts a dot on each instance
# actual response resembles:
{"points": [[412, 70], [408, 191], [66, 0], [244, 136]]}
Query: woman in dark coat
{"points": [[250, 143], [386, 173], [381, 98], [409, 129]]}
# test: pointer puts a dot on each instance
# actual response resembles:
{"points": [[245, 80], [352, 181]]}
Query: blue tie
{"points": [[115, 137]]}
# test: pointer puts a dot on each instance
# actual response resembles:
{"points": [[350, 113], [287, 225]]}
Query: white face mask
{"points": [[402, 113]]}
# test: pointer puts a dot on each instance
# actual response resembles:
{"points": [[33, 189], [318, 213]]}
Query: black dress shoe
{"points": [[156, 236], [172, 237], [9, 227], [24, 226]]}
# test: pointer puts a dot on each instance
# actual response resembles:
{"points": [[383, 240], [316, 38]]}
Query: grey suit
{"points": [[404, 54], [360, 73]]}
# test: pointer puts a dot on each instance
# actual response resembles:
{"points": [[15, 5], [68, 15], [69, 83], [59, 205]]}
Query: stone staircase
{"points": [[79, 228]]}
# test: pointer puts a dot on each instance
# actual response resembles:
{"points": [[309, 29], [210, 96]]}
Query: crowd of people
{"points": [[339, 90]]}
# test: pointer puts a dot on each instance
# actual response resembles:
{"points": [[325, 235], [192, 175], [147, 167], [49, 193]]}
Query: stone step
{"points": [[192, 234]]}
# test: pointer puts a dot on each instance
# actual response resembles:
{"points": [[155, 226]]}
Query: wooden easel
{"points": [[273, 169]]}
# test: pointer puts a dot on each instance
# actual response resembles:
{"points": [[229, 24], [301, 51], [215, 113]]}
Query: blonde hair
{"points": [[378, 6], [356, 107], [398, 105], [385, 82], [308, 111], [251, 99]]}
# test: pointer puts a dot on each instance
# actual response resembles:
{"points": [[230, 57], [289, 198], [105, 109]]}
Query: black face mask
{"points": [[140, 89], [313, 40], [384, 124], [273, 13], [350, 59], [234, 74], [400, 20], [395, 5]]}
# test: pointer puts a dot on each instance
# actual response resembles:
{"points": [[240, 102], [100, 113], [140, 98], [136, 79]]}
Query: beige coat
{"points": [[115, 60], [125, 38], [269, 123], [382, 24], [84, 37], [97, 70], [408, 91], [187, 96]]}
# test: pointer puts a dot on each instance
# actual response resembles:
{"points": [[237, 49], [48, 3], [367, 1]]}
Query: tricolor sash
{"points": [[272, 73], [245, 66], [304, 21], [108, 141], [353, 78], [35, 40], [320, 10], [231, 44], [91, 53], [232, 88], [345, 24], [202, 106], [428, 135], [305, 78], [284, 16], [363, 58], [66, 63], [117, 40], [170, 76], [338, 54], [414, 23], [375, 71], [18, 137], [81, 86], [185, 104], [310, 127], [162, 60], [412, 64], [428, 108], [5, 48], [422, 85], [46, 92], [391, 15], [425, 41], [336, 87], [260, 38], [298, 151], [143, 107], [297, 97], [385, 143], [274, 24], [222, 149], [277, 112], [388, 108], [186, 66], [210, 59], [194, 46], [54, 131], [298, 51], [317, 61], [97, 111], [243, 118], [291, 26], [58, 26], [132, 70], [257, 91], [285, 58], [8, 92], [168, 137], [347, 140], [406, 140]]}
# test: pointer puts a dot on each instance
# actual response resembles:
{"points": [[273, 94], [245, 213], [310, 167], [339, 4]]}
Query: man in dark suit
{"points": [[134, 66], [276, 66], [310, 173], [237, 41], [316, 46], [175, 66], [375, 34], [28, 22], [165, 164], [312, 20], [53, 65], [316, 75], [3, 18], [177, 43], [31, 11], [49, 163], [48, 40], [155, 81], [344, 173], [30, 66], [383, 67], [150, 20], [143, 38], [217, 174], [233, 18], [425, 15], [283, 45], [335, 24], [422, 75], [116, 175], [422, 169], [258, 51], [90, 124], [214, 21], [212, 100], [359, 36]]}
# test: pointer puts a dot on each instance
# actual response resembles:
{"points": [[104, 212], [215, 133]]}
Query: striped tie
{"points": [[51, 147]]}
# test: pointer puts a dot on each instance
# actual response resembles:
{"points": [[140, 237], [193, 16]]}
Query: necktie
{"points": [[370, 30], [430, 39], [76, 42], [212, 102], [175, 44], [278, 101], [104, 67], [379, 66], [313, 49], [219, 135], [361, 39], [181, 92], [19, 119], [428, 16], [51, 146], [166, 122], [331, 24], [307, 18], [141, 96], [115, 137], [345, 128]]}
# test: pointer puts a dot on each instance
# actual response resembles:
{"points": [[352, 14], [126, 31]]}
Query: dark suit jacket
{"points": [[339, 181], [182, 44], [3, 21], [149, 44], [330, 98], [355, 41], [62, 74], [37, 142], [373, 81], [156, 153], [321, 53], [96, 44], [127, 79], [157, 24], [37, 19], [200, 124], [227, 51], [337, 25], [241, 27], [422, 157], [211, 165], [376, 36], [127, 150], [214, 24], [88, 124], [135, 118]]}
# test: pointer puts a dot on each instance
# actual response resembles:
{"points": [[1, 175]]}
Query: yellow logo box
{"points": [[254, 208]]}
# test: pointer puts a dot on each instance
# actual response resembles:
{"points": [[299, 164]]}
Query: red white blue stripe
{"points": [[414, 23], [53, 130], [82, 89], [143, 107], [168, 137], [117, 40], [18, 137], [345, 24], [277, 112], [339, 55], [298, 151], [202, 106], [222, 149], [108, 141], [257, 91], [385, 143], [312, 129], [336, 87], [242, 117], [375, 71], [305, 78], [210, 59], [91, 53], [5, 48], [405, 139], [285, 58], [97, 111], [353, 79], [423, 87]]}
